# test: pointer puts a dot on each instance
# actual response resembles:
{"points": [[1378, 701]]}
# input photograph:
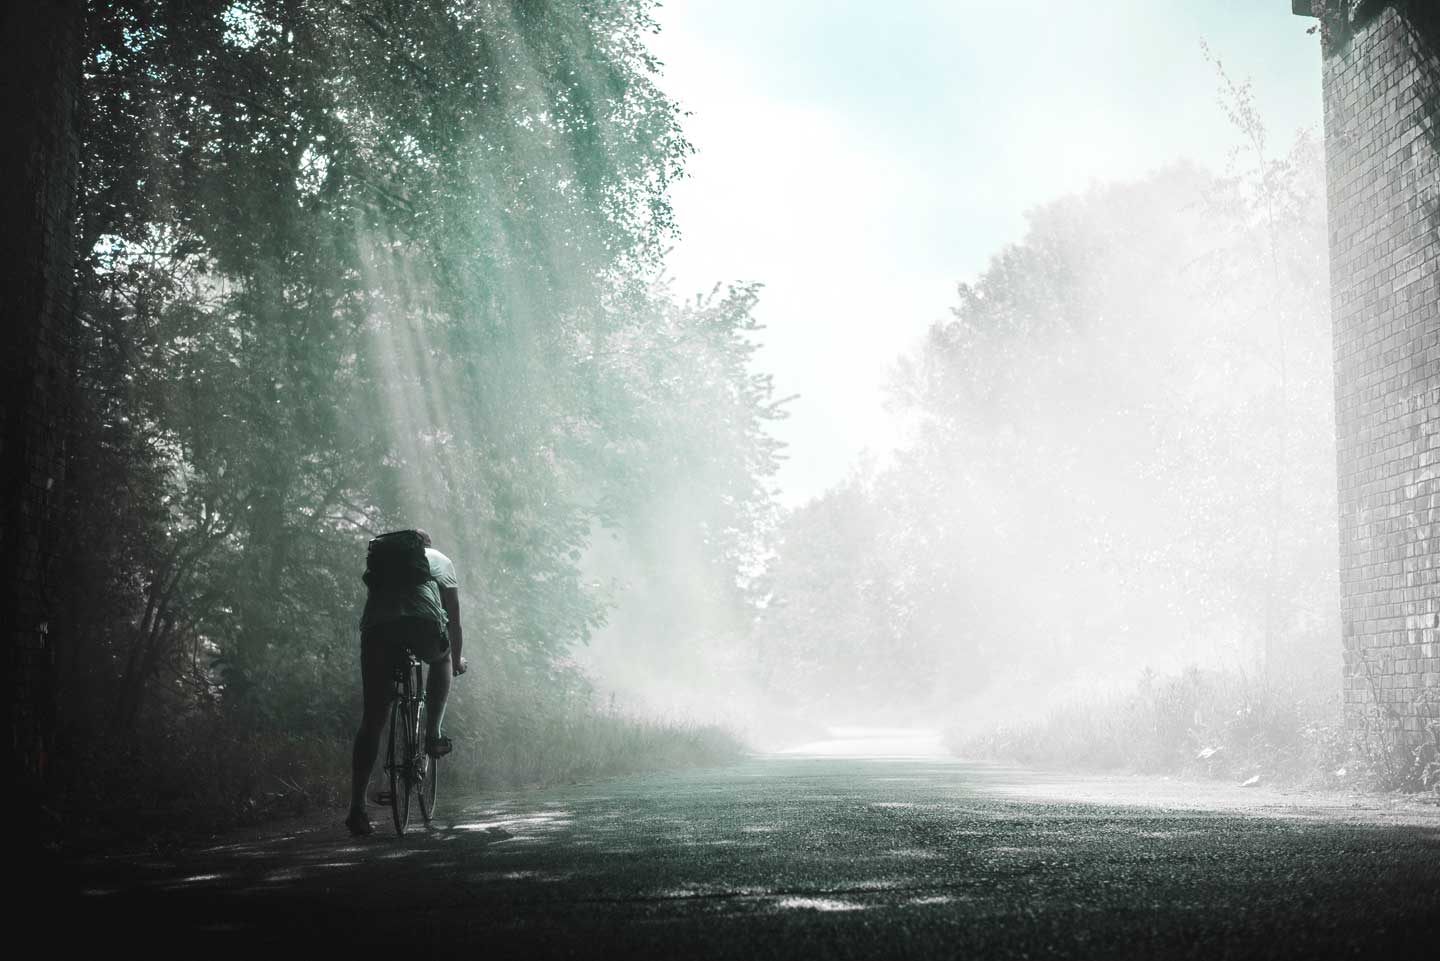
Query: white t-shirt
{"points": [[422, 600], [441, 568]]}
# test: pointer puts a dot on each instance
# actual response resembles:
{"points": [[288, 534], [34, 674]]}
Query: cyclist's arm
{"points": [[450, 598]]}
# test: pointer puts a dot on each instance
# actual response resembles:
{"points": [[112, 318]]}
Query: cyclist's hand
{"points": [[459, 666]]}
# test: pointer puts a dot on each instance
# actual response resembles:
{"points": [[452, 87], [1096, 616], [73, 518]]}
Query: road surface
{"points": [[794, 856]]}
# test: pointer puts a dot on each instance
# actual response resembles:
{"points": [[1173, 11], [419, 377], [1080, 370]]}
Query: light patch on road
{"points": [[820, 904], [559, 819], [873, 742], [506, 875], [246, 847], [932, 899], [913, 854], [477, 825]]}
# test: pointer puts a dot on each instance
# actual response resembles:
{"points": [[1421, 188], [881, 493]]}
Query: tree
{"points": [[41, 77], [357, 266], [691, 534], [1101, 427]]}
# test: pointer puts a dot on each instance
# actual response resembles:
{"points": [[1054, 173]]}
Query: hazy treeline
{"points": [[349, 267], [1120, 455]]}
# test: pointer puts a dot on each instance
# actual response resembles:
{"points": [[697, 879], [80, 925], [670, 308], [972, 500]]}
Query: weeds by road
{"points": [[1212, 724], [188, 781]]}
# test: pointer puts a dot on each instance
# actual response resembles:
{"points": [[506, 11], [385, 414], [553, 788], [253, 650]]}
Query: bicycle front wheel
{"points": [[397, 762], [429, 774]]}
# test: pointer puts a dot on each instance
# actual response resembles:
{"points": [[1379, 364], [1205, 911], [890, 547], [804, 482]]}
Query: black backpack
{"points": [[395, 561]]}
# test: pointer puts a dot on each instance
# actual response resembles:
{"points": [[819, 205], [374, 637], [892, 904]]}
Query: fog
{"points": [[1110, 457], [884, 458], [860, 161], [919, 385]]}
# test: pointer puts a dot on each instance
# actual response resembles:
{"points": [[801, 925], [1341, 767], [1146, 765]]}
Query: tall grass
{"points": [[585, 743], [182, 778], [1200, 723]]}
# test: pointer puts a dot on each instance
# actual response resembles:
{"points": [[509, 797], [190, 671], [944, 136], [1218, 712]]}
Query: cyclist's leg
{"points": [[432, 645], [376, 660], [437, 692]]}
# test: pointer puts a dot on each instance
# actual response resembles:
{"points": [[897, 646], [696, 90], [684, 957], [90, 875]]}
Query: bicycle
{"points": [[408, 767]]}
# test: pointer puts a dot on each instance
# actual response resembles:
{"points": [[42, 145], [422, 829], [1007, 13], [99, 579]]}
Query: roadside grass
{"points": [[583, 744], [1211, 724], [190, 777]]}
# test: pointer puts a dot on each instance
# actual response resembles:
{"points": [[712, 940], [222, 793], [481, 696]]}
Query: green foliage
{"points": [[208, 770], [1340, 19], [694, 525], [1397, 759], [351, 267], [576, 741], [182, 775]]}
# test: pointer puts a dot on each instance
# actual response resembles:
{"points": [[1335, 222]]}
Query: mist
{"points": [[1113, 461], [724, 479], [343, 273]]}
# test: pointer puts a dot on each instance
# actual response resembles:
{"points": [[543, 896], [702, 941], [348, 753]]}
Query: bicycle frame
{"points": [[406, 764]]}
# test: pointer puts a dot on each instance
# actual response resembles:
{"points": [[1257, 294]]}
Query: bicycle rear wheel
{"points": [[397, 761], [429, 773]]}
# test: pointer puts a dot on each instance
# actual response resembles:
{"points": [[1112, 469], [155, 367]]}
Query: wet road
{"points": [[806, 857]]}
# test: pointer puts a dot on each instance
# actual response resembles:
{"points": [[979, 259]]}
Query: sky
{"points": [[859, 159]]}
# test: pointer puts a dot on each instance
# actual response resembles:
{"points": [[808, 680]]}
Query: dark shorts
{"points": [[382, 646], [421, 636]]}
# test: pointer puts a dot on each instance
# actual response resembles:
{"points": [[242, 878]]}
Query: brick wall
{"points": [[1383, 157], [42, 46]]}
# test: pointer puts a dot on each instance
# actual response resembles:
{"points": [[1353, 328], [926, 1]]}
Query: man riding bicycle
{"points": [[420, 615]]}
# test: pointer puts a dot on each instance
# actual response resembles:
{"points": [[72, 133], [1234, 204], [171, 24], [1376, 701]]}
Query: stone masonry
{"points": [[1381, 75]]}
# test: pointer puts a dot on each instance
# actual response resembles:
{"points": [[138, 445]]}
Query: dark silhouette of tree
{"points": [[43, 45], [354, 266]]}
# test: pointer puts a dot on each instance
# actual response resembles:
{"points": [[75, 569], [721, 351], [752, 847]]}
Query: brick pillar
{"points": [[1382, 141], [43, 43]]}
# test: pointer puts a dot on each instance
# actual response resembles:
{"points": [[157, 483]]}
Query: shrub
{"points": [[182, 777], [1207, 723]]}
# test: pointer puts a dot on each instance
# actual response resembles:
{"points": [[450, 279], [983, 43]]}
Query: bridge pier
{"points": [[1381, 75]]}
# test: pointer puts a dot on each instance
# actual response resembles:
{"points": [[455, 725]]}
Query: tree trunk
{"points": [[43, 47]]}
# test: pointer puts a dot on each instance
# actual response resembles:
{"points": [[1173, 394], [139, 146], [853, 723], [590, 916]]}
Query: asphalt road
{"points": [[801, 857]]}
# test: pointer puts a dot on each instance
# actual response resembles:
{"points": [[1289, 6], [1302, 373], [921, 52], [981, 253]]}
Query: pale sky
{"points": [[860, 158]]}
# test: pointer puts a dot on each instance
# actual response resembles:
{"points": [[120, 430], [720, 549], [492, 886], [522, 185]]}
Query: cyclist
{"points": [[425, 619]]}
